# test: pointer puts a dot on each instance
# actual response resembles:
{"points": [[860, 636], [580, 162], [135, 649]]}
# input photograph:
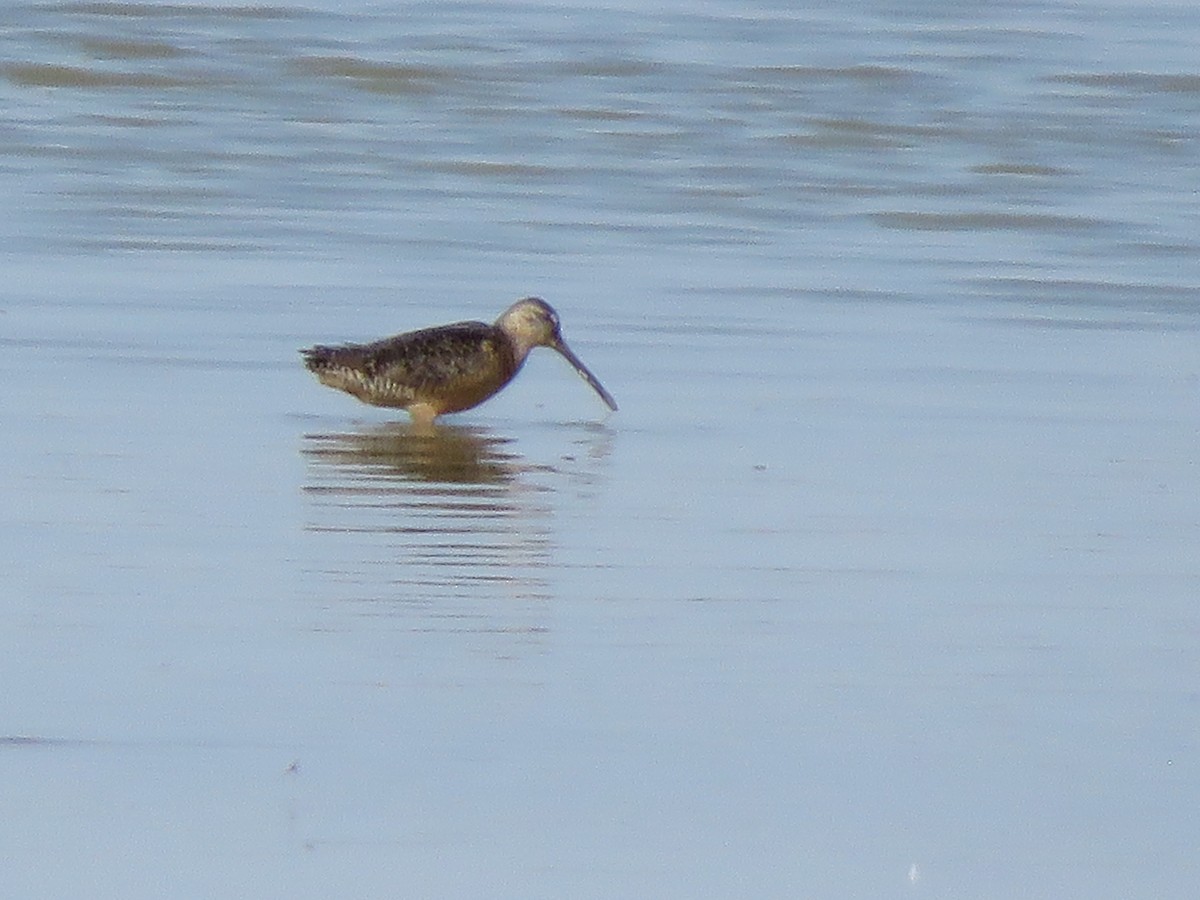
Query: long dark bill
{"points": [[583, 370]]}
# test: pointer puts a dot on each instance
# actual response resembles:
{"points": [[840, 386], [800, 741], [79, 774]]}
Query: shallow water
{"points": [[880, 583]]}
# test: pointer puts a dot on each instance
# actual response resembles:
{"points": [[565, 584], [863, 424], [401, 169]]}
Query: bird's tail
{"points": [[317, 358]]}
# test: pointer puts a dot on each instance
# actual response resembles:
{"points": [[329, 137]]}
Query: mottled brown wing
{"points": [[452, 367]]}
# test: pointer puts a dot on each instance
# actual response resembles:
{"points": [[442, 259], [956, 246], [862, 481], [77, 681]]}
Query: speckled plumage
{"points": [[446, 369]]}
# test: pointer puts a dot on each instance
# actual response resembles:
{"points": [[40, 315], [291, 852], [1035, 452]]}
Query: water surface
{"points": [[880, 583]]}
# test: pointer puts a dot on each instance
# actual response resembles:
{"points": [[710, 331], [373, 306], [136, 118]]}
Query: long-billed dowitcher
{"points": [[446, 369]]}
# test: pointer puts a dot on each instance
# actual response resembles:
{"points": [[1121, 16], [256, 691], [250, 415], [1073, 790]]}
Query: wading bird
{"points": [[446, 369]]}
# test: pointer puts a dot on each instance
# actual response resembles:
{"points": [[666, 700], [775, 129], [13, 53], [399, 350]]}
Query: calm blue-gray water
{"points": [[882, 582]]}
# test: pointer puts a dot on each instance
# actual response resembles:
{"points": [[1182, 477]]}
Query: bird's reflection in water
{"points": [[440, 525], [440, 453]]}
